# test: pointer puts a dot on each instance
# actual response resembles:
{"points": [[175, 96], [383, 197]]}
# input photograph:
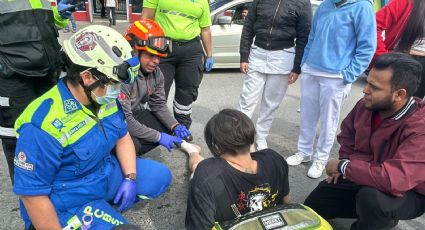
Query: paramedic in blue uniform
{"points": [[65, 174]]}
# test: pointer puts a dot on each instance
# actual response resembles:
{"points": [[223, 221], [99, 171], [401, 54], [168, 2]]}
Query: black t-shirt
{"points": [[220, 192]]}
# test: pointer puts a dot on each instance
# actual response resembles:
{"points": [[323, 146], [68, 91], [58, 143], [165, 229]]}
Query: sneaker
{"points": [[65, 31], [316, 169], [297, 159]]}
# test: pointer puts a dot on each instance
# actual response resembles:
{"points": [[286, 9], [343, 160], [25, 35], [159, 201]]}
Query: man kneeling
{"points": [[379, 177]]}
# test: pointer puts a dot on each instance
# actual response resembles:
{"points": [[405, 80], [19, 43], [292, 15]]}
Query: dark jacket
{"points": [[390, 159], [146, 89], [276, 24], [28, 40]]}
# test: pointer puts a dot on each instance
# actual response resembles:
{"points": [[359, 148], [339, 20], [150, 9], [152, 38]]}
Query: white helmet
{"points": [[98, 47]]}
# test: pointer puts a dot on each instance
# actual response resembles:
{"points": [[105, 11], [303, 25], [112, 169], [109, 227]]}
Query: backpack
{"points": [[285, 216]]}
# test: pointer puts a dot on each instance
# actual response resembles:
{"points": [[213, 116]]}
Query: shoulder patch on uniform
{"points": [[20, 162], [70, 105], [121, 96]]}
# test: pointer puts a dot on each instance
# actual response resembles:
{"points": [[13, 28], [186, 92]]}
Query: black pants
{"points": [[102, 9], [373, 209], [421, 90], [16, 93], [185, 67], [147, 118], [111, 15]]}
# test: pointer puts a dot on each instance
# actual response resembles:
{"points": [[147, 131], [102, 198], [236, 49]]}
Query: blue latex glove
{"points": [[181, 131], [126, 195], [209, 64], [169, 141], [62, 5], [133, 69]]}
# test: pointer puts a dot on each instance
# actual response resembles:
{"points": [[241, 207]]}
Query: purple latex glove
{"points": [[126, 193], [181, 131], [169, 141]]}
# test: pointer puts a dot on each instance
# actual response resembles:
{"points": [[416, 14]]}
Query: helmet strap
{"points": [[88, 90]]}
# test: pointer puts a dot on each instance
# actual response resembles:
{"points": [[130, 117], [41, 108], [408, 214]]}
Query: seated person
{"points": [[64, 170], [235, 181], [379, 177], [241, 16], [150, 122]]}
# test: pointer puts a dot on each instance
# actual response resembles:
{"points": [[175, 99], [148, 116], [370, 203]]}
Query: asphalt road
{"points": [[219, 89]]}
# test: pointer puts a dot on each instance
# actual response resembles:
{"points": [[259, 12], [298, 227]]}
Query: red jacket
{"points": [[391, 159], [392, 19]]}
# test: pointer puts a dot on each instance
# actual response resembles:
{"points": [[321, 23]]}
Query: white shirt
{"points": [[271, 61], [110, 3], [315, 72]]}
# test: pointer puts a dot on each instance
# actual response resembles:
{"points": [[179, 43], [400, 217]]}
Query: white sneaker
{"points": [[316, 169], [297, 159]]}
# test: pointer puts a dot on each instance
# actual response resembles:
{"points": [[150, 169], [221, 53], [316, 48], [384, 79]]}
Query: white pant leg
{"points": [[253, 84], [332, 94], [273, 93], [309, 114]]}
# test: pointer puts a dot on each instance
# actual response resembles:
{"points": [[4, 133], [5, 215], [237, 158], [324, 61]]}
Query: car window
{"points": [[216, 4], [236, 12]]}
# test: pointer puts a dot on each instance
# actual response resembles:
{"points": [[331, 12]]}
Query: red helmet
{"points": [[147, 35]]}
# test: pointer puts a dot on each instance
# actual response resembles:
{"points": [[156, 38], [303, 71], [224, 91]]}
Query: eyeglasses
{"points": [[103, 79]]}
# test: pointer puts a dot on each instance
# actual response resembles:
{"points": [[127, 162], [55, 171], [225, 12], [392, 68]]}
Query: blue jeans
{"points": [[74, 25]]}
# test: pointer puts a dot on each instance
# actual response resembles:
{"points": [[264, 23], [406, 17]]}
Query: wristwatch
{"points": [[131, 176]]}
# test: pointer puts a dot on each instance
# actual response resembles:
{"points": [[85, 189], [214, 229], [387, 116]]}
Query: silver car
{"points": [[226, 30]]}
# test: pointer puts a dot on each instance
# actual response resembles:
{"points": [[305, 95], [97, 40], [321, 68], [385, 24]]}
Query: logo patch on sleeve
{"points": [[20, 162], [121, 96]]}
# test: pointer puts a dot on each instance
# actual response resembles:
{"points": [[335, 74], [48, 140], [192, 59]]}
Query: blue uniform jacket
{"points": [[63, 150]]}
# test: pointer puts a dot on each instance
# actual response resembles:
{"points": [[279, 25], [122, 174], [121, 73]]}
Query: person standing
{"points": [[111, 6], [272, 62], [102, 9], [403, 22], [73, 25], [183, 21], [74, 153], [29, 59], [339, 49], [379, 176]]}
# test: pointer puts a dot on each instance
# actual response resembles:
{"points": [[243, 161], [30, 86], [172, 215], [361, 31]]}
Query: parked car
{"points": [[226, 34]]}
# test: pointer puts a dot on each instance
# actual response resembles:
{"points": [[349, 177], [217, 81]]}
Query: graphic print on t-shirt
{"points": [[257, 199]]}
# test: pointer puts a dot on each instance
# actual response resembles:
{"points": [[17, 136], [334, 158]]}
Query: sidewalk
{"points": [[120, 27]]}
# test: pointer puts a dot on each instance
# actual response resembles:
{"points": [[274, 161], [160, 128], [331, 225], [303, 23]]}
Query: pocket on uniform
{"points": [[86, 157], [28, 33]]}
